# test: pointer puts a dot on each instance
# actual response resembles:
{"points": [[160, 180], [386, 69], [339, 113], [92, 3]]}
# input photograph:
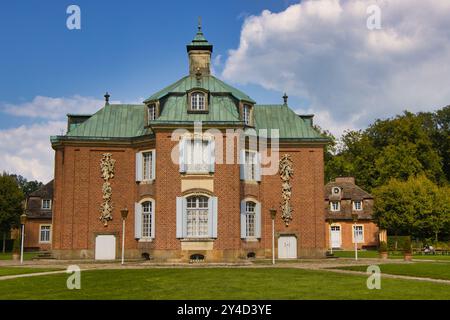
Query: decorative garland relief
{"points": [[107, 171], [286, 172]]}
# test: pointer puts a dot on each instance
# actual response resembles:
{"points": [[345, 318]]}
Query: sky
{"points": [[320, 52]]}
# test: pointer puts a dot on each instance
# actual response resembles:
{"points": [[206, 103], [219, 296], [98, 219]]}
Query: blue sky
{"points": [[130, 48], [321, 52]]}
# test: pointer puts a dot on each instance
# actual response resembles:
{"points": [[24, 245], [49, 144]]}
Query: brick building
{"points": [[344, 202], [38, 228], [183, 199]]}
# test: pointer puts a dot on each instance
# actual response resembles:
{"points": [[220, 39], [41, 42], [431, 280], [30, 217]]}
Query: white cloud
{"points": [[54, 108], [321, 50], [26, 149]]}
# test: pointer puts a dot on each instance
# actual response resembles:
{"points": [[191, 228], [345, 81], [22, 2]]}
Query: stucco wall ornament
{"points": [[107, 171], [286, 171]]}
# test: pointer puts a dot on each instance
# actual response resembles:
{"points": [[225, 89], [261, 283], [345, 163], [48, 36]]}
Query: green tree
{"points": [[11, 203], [26, 186], [416, 207]]}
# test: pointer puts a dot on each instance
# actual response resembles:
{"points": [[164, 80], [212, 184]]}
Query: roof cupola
{"points": [[199, 51]]}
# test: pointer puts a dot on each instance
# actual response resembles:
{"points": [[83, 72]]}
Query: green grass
{"points": [[361, 254], [417, 269], [8, 271], [218, 283], [375, 254], [26, 255]]}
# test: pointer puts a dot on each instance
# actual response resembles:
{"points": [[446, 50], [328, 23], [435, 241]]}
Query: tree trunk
{"points": [[436, 236], [4, 242]]}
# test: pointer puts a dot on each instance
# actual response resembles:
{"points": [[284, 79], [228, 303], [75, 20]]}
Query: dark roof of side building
{"points": [[34, 204]]}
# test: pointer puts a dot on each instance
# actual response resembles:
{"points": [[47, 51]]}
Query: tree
{"points": [[416, 207], [11, 203], [26, 186]]}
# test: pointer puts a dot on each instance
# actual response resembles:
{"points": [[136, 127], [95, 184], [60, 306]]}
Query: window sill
{"points": [[250, 239], [197, 173], [147, 181], [251, 181], [197, 239], [45, 242], [146, 240]]}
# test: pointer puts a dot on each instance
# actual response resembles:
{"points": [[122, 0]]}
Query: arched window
{"points": [[198, 101], [147, 212], [197, 216]]}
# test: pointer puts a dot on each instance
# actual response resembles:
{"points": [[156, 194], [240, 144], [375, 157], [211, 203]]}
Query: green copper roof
{"points": [[113, 121], [207, 82], [289, 124], [199, 42]]}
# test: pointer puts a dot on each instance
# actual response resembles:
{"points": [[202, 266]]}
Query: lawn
{"points": [[26, 255], [375, 254], [8, 271], [416, 269], [217, 283]]}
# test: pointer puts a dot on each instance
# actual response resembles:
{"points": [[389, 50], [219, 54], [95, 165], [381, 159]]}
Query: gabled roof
{"points": [[44, 192], [207, 82], [289, 124], [348, 191], [113, 121]]}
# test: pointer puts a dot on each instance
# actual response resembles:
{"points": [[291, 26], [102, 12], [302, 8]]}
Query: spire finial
{"points": [[107, 97], [199, 24], [285, 99]]}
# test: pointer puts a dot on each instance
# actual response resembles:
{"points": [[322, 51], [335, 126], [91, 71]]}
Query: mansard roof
{"points": [[206, 82]]}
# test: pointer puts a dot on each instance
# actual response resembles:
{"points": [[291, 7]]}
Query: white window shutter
{"points": [[243, 173], [139, 166], [154, 164], [153, 220], [180, 217], [258, 220], [137, 221], [212, 217], [212, 155], [182, 157], [258, 167], [243, 220]]}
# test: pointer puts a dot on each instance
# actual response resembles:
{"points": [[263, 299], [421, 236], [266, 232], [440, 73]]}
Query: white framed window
{"points": [[198, 101], [147, 162], [144, 219], [147, 212], [197, 217], [250, 219], [250, 165], [358, 233], [197, 155], [46, 204], [197, 212], [247, 114], [335, 205], [151, 112], [357, 205], [145, 165], [45, 233]]}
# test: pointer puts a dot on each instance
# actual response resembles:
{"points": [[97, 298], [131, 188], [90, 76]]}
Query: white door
{"points": [[287, 247], [105, 247], [335, 232]]}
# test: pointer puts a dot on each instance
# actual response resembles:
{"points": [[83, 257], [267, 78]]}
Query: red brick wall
{"points": [[32, 234], [370, 234], [78, 195]]}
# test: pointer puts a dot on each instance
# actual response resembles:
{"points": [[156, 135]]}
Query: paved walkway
{"points": [[307, 264]]}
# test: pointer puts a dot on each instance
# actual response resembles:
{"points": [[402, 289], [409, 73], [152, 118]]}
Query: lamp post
{"points": [[23, 219], [124, 214], [273, 213], [355, 219]]}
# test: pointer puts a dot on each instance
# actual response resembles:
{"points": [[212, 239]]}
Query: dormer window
{"points": [[198, 101], [335, 206], [336, 191], [151, 112], [46, 204], [246, 114]]}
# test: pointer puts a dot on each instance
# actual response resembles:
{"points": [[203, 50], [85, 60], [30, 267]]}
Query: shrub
{"points": [[383, 247], [407, 246]]}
